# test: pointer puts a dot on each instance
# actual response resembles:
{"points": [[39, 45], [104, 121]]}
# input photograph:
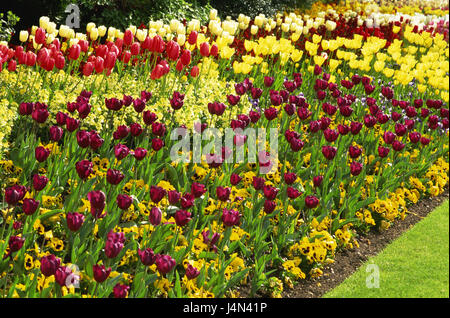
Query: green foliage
{"points": [[122, 13], [7, 26], [254, 7]]}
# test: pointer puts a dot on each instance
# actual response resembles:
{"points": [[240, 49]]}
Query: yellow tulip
{"points": [[259, 21], [226, 52], [101, 30], [140, 35], [174, 25], [237, 67], [213, 14], [43, 22], [133, 29], [93, 34], [254, 29], [23, 36], [285, 27], [181, 39], [295, 36], [378, 66], [318, 59], [90, 26], [249, 45], [334, 64], [296, 55], [316, 38], [331, 25], [388, 72], [111, 32]]}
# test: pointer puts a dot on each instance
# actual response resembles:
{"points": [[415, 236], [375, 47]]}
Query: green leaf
{"points": [[178, 292]]}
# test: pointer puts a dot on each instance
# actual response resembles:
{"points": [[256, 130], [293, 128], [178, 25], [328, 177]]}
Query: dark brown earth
{"points": [[348, 261]]}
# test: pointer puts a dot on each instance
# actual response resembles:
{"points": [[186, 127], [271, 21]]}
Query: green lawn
{"points": [[415, 265]]}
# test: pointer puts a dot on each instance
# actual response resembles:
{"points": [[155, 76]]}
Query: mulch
{"points": [[348, 261]]}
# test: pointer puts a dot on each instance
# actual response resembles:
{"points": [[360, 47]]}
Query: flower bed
{"points": [[94, 203]]}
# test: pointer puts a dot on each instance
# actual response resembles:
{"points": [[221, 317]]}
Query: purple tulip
{"points": [[164, 263], [147, 256], [121, 291], [311, 201], [49, 265], [74, 221], [41, 153], [154, 216], [100, 273], [124, 201], [230, 217], [39, 182], [30, 206], [182, 217]]}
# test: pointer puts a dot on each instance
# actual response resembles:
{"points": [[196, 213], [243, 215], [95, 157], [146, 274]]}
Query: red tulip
{"points": [[185, 57], [31, 58], [74, 52], [214, 50], [39, 36], [60, 62], [293, 193], [192, 38], [39, 182], [140, 153], [12, 65], [191, 272], [14, 194], [110, 60], [173, 50], [329, 152], [15, 243], [317, 181], [128, 37], [195, 71], [88, 68], [204, 49], [135, 48], [84, 169], [98, 202]]}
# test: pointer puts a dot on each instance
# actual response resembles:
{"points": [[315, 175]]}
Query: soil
{"points": [[348, 261]]}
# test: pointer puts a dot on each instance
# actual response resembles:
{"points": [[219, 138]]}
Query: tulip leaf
{"points": [[49, 214], [178, 292], [172, 175], [207, 255]]}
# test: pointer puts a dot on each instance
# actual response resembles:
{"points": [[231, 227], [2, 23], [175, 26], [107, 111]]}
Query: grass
{"points": [[416, 265]]}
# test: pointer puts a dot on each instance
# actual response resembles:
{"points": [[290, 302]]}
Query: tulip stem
{"points": [[4, 294], [95, 290], [4, 219]]}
